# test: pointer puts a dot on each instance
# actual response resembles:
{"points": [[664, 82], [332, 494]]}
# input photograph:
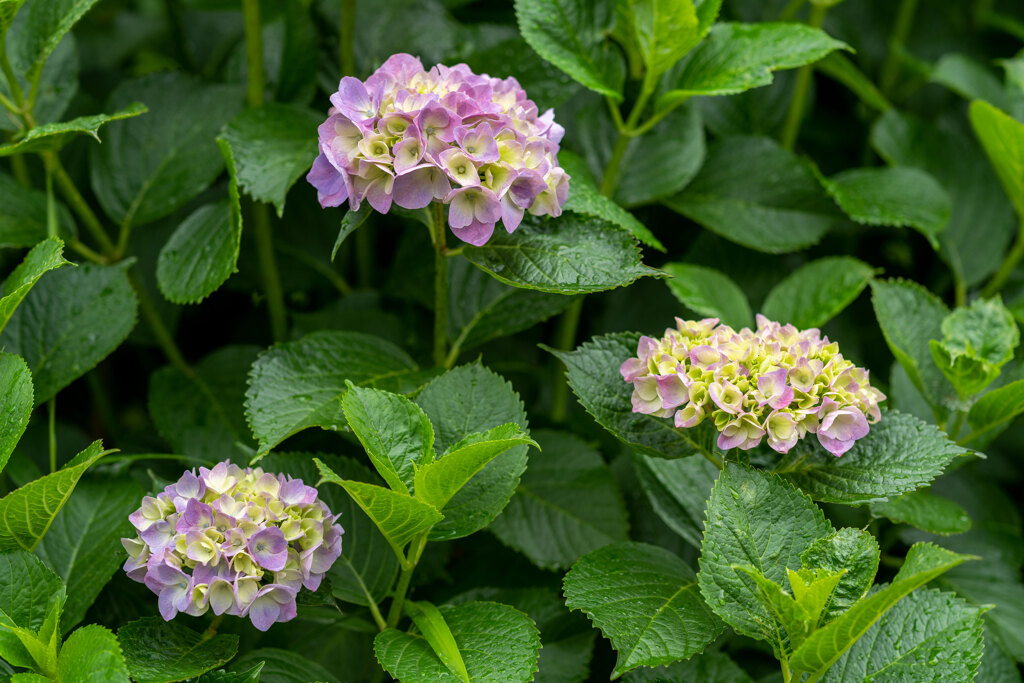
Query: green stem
{"points": [[12, 81], [402, 588], [565, 340], [901, 29], [439, 237], [211, 630], [795, 115], [346, 38], [1006, 267], [253, 51], [790, 10], [78, 203], [377, 617], [156, 326], [611, 171], [51, 207], [86, 252], [20, 170], [263, 234], [51, 415], [1004, 23], [786, 675], [712, 458], [343, 287], [957, 424]]}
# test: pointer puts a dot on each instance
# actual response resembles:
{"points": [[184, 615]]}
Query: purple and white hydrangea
{"points": [[237, 541], [412, 137], [775, 382]]}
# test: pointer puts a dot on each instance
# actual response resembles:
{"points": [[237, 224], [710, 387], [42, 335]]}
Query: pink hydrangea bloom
{"points": [[775, 382], [409, 136]]}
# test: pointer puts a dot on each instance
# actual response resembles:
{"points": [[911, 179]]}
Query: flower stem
{"points": [[1006, 267], [611, 171], [901, 29], [78, 203], [346, 38], [415, 552], [795, 115], [263, 233], [565, 340], [156, 326], [51, 416], [439, 238], [253, 51]]}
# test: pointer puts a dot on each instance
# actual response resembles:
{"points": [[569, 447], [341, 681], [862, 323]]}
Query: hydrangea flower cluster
{"points": [[777, 381], [413, 136], [239, 542]]}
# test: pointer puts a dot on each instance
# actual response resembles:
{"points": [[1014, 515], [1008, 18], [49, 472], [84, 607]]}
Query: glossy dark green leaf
{"points": [[44, 257], [926, 511], [709, 293], [817, 291], [15, 403], [53, 136], [201, 254], [163, 652]]}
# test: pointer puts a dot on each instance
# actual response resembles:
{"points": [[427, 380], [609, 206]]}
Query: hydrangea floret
{"points": [[776, 382], [412, 137], [237, 541]]}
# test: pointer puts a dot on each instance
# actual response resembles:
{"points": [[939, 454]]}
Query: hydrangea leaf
{"points": [[678, 490], [790, 622], [8, 8], [221, 676], [926, 511], [151, 165], [994, 409], [349, 223], [851, 551], [498, 643], [58, 80], [570, 34], [83, 545], [755, 193], [817, 291], [645, 600], [896, 197], [753, 518], [977, 341], [709, 293], [15, 403], [300, 384], [284, 666], [201, 254], [707, 667], [53, 136], [272, 146], [159, 651], [394, 431], [900, 454], [23, 215], [738, 57], [969, 78], [665, 30], [44, 26], [567, 504], [1002, 136], [571, 255], [28, 512], [94, 650], [44, 257], [825, 646], [28, 589], [430, 622], [465, 401]]}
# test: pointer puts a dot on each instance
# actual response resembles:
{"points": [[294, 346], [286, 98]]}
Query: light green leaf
{"points": [[498, 644], [710, 293], [431, 624], [755, 193], [665, 30], [272, 146], [817, 291], [349, 222], [753, 518], [571, 35], [23, 215], [896, 197], [977, 341], [924, 562], [645, 600], [738, 57], [707, 667], [926, 511], [154, 164], [399, 516], [438, 481], [995, 408], [678, 490], [27, 592], [53, 136], [201, 254], [15, 403], [841, 68], [163, 652], [300, 384], [44, 27], [567, 504], [44, 257], [900, 454], [570, 255], [464, 401], [852, 551], [91, 653], [8, 8], [1002, 136], [789, 622], [83, 545]]}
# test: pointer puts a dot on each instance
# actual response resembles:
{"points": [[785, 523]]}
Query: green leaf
{"points": [[910, 316], [23, 215], [283, 666], [221, 676], [44, 257], [665, 30], [826, 645], [44, 27], [977, 341], [28, 512], [53, 136], [926, 511], [163, 652], [900, 454], [710, 293], [498, 643], [738, 57], [678, 490], [995, 408], [570, 34], [567, 504], [201, 254], [154, 164], [817, 291], [438, 481], [645, 600], [272, 146], [394, 431], [570, 255], [841, 68], [1003, 139], [707, 667], [83, 545], [58, 80], [592, 371], [300, 384], [8, 8], [896, 196], [585, 199], [349, 222], [15, 403], [27, 590], [464, 401], [753, 518], [91, 653], [969, 79], [399, 516], [789, 622], [852, 551], [946, 645], [431, 624], [755, 193]]}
